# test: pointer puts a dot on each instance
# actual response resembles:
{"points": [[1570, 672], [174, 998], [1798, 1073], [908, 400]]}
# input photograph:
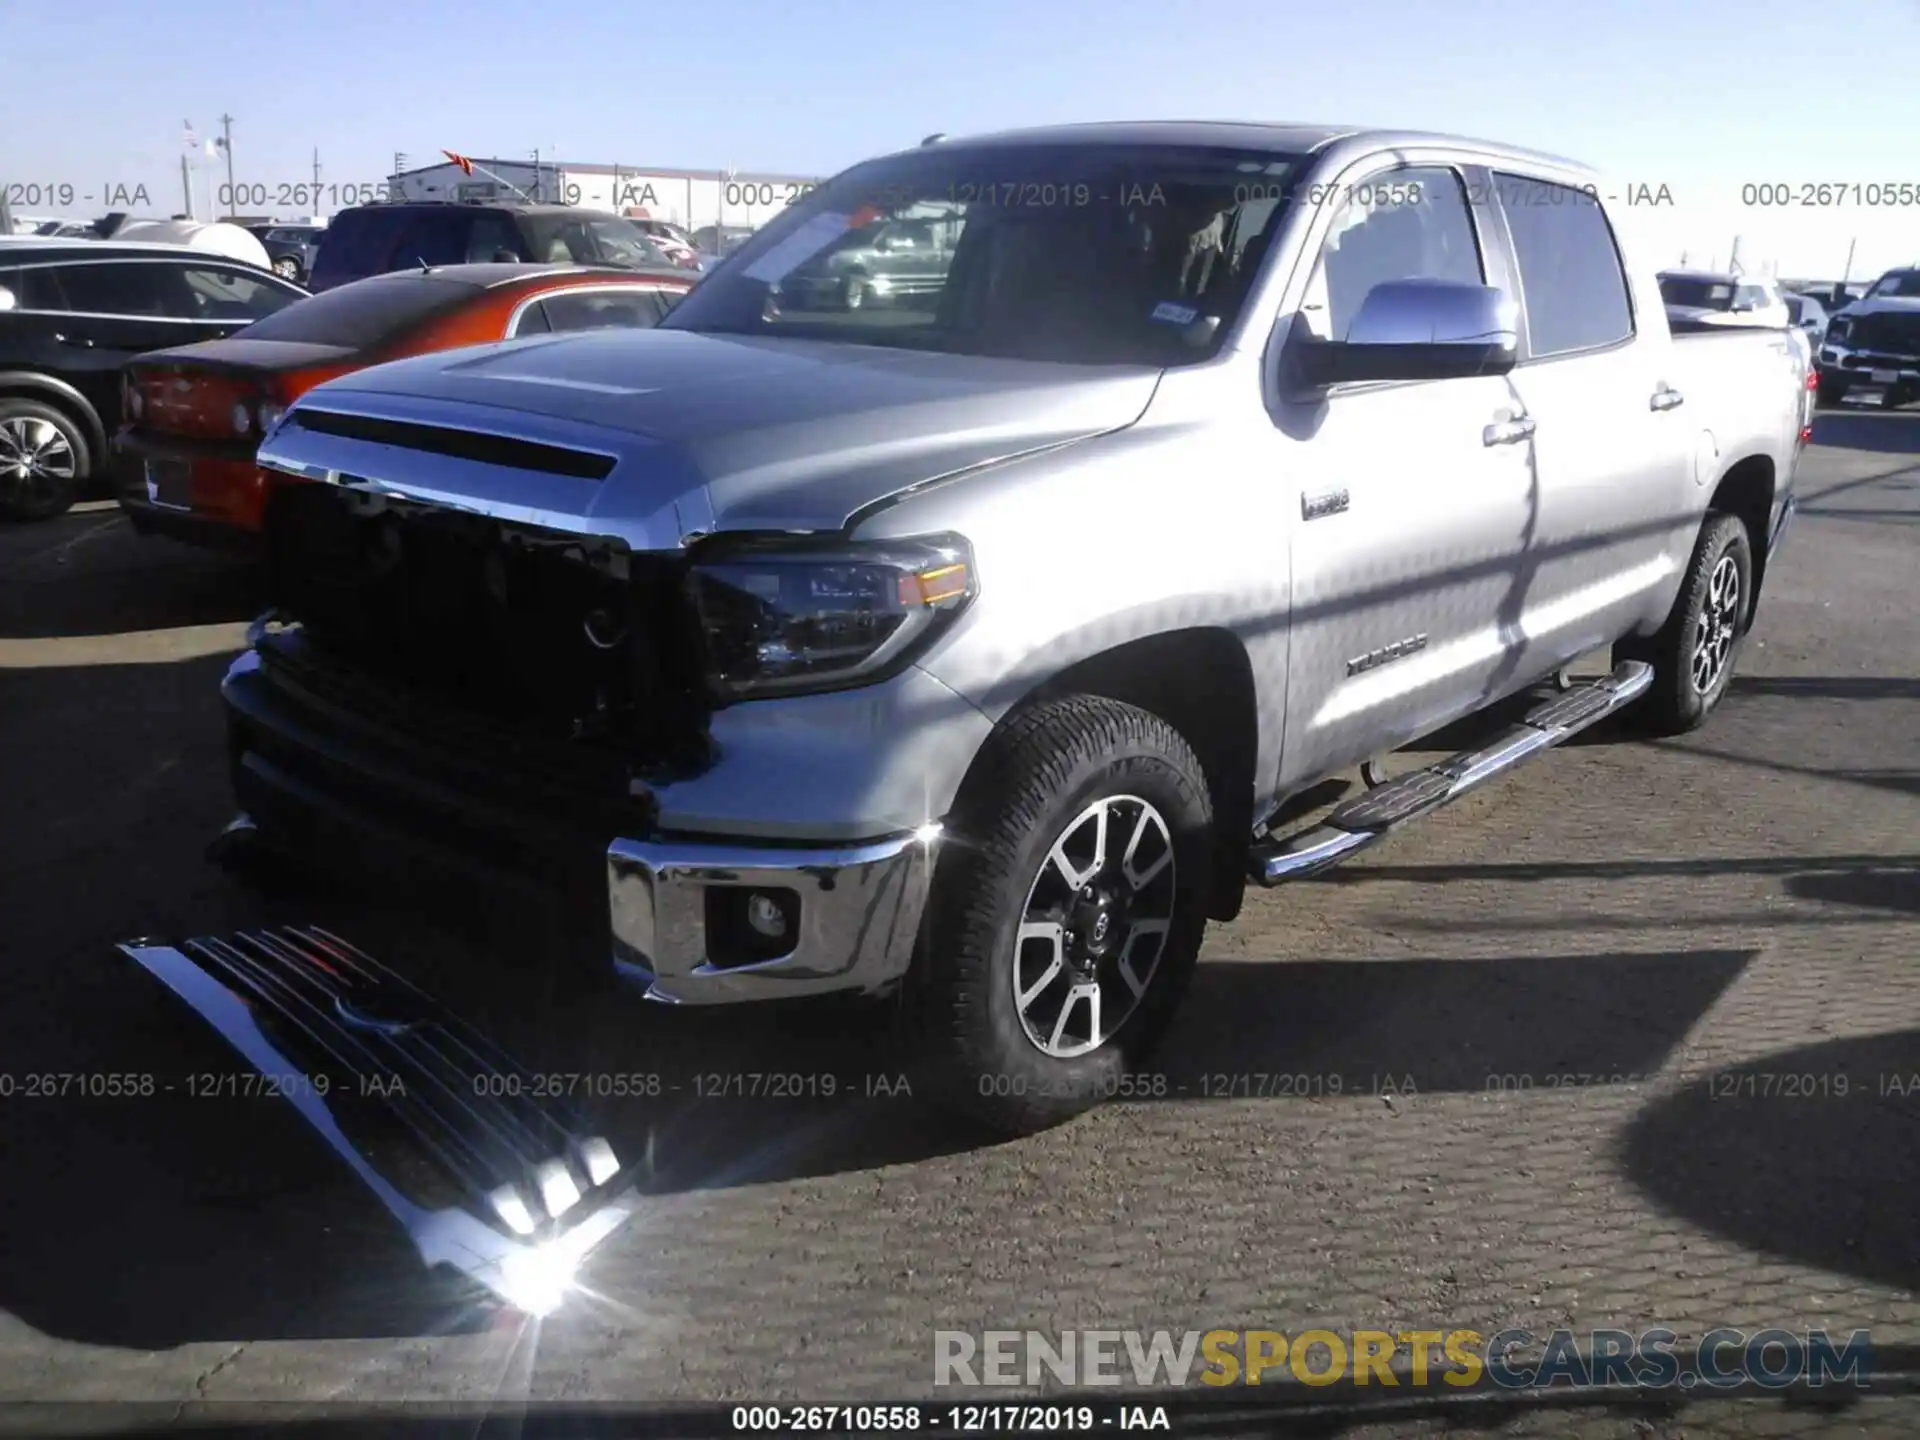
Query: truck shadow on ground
{"points": [[1807, 1155]]}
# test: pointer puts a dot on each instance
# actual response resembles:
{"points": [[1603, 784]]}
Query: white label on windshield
{"points": [[799, 247], [1176, 314]]}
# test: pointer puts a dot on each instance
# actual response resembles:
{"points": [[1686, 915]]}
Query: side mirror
{"points": [[1419, 330], [8, 300], [505, 257]]}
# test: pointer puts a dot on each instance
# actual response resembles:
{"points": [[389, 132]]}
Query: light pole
{"points": [[226, 144]]}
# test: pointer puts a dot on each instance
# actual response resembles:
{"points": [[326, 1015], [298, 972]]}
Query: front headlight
{"points": [[271, 414], [782, 616], [1836, 331]]}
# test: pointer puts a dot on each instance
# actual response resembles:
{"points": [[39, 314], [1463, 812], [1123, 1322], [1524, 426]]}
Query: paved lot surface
{"points": [[1585, 990]]}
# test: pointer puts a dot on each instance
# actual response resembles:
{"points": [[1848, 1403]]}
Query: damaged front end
{"points": [[467, 695], [515, 1190]]}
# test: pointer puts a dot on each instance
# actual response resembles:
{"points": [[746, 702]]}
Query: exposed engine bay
{"points": [[560, 635]]}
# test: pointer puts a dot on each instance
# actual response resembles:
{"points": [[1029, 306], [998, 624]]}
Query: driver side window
{"points": [[1411, 223]]}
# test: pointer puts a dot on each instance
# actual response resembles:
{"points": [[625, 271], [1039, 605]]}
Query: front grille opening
{"points": [[453, 606], [459, 444]]}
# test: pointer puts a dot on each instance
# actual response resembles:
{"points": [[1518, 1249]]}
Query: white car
{"points": [[672, 241], [1707, 297]]}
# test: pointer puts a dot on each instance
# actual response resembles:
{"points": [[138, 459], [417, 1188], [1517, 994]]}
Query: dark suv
{"points": [[376, 239], [72, 313]]}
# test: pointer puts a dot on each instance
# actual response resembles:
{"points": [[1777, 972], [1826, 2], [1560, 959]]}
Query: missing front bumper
{"points": [[535, 1190]]}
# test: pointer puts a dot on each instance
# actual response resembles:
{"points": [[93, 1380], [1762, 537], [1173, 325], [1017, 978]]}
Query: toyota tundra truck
{"points": [[966, 651]]}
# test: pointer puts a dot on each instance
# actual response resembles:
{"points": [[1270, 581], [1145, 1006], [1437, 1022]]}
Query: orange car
{"points": [[195, 413]]}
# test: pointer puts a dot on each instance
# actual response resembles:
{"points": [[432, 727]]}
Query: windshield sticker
{"points": [[799, 247], [1175, 314]]}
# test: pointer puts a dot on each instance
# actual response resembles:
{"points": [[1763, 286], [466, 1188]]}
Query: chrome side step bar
{"points": [[323, 1022], [1369, 818]]}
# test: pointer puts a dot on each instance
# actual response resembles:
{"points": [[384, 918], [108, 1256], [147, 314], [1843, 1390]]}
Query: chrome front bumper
{"points": [[859, 911]]}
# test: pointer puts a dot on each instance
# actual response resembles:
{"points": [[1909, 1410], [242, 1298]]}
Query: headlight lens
{"points": [[242, 419], [1837, 330], [270, 415], [782, 617]]}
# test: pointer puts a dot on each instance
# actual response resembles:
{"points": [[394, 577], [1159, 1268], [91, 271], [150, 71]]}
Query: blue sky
{"points": [[1703, 96]]}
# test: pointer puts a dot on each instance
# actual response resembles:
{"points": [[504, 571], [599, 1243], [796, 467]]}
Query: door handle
{"points": [[1667, 398], [81, 341], [1508, 432]]}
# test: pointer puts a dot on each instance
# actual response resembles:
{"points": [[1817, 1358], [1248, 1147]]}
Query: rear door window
{"points": [[1570, 271]]}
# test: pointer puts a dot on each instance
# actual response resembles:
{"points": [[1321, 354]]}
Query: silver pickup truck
{"points": [[965, 650]]}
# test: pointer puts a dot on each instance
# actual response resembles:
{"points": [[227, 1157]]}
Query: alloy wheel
{"points": [[36, 459], [1094, 926], [1719, 621]]}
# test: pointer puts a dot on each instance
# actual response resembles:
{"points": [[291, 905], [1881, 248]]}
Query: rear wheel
{"points": [[287, 268], [1067, 913], [44, 460], [1693, 654]]}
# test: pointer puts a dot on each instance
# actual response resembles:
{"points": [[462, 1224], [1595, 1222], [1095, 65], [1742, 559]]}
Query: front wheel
{"points": [[1066, 916], [287, 268], [1693, 654]]}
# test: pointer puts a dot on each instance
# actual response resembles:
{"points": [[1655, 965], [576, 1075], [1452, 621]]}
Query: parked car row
{"points": [[160, 367]]}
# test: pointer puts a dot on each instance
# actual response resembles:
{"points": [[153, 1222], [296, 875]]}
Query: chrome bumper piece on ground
{"points": [[327, 1026], [859, 910]]}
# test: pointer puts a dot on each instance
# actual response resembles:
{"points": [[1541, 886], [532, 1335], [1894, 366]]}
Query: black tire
{"points": [[1045, 767], [1831, 391], [49, 483], [1678, 701]]}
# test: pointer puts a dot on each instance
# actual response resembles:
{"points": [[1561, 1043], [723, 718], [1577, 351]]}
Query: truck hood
{"points": [[1881, 305], [694, 432]]}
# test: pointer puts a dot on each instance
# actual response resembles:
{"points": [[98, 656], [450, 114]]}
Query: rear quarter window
{"points": [[363, 314]]}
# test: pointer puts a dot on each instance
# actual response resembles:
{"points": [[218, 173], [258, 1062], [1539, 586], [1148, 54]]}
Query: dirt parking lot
{"points": [[1624, 1040]]}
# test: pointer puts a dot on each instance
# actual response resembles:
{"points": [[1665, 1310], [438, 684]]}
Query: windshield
{"points": [[1696, 294], [1905, 283], [592, 240], [1085, 254]]}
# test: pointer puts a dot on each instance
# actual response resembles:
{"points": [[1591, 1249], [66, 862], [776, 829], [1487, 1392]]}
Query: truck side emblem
{"points": [[1398, 650], [1315, 507]]}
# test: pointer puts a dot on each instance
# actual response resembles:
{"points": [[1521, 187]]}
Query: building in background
{"points": [[692, 198]]}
